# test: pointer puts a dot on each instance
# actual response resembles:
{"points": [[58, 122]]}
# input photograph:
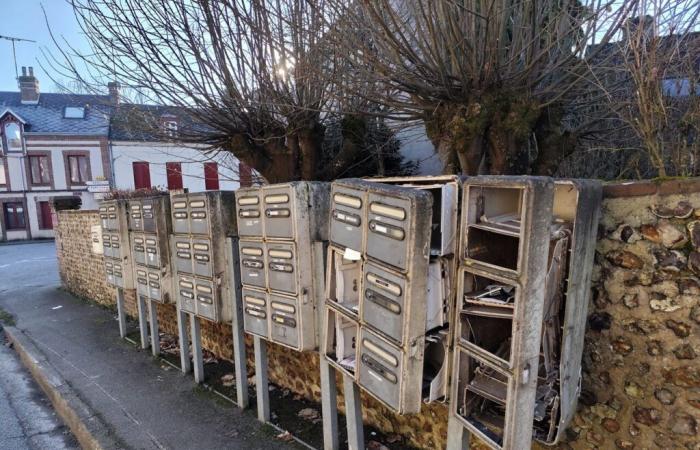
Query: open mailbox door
{"points": [[281, 260], [201, 222], [376, 284], [526, 261]]}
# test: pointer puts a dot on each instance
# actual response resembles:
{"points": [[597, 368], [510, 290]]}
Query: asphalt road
{"points": [[27, 420]]}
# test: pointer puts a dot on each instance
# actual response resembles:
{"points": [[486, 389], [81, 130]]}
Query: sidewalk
{"points": [[140, 402]]}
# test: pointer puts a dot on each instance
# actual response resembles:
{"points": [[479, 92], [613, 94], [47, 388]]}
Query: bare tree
{"points": [[651, 84], [488, 78], [256, 73]]}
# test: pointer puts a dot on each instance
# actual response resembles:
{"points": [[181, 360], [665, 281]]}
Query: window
{"points": [[3, 179], [45, 217], [679, 87], [245, 175], [170, 128], [211, 176], [14, 137], [14, 216], [174, 172], [74, 112], [78, 169], [39, 170], [142, 175]]}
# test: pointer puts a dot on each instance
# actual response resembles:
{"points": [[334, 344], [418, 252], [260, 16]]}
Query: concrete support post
{"points": [[197, 358], [121, 314], [239, 356], [143, 321], [262, 389], [153, 321], [353, 414], [457, 436], [185, 364], [329, 406]]}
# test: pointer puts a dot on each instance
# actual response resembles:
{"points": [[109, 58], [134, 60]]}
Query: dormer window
{"points": [[13, 134], [74, 112], [170, 128]]}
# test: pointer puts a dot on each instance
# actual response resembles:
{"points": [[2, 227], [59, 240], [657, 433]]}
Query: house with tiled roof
{"points": [[149, 148], [51, 147]]}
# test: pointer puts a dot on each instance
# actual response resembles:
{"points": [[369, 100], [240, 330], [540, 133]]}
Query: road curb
{"points": [[84, 423]]}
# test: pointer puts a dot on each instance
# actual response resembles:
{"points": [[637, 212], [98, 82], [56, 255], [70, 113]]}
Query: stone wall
{"points": [[641, 379]]}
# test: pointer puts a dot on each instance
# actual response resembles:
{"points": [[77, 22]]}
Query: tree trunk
{"points": [[470, 154]]}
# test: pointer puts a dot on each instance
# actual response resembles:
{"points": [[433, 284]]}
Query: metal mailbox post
{"points": [[374, 322], [283, 233], [149, 232], [116, 251], [526, 254], [203, 258]]}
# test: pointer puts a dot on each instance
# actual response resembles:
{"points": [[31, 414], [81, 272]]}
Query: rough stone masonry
{"points": [[641, 380]]}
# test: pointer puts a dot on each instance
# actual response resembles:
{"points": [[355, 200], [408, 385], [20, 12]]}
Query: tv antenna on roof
{"points": [[14, 54]]}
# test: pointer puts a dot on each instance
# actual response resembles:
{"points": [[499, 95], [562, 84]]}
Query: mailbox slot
{"points": [[186, 293], [281, 267], [252, 256], [348, 208], [154, 286], [284, 320], [383, 301], [152, 252], [199, 214], [388, 229], [380, 367], [279, 212], [135, 216], [139, 249], [142, 283], [202, 258], [180, 213], [255, 312], [149, 211], [340, 343], [249, 210], [344, 279], [183, 255], [481, 397], [206, 297]]}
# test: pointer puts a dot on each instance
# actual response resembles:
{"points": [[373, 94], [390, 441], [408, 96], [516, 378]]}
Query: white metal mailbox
{"points": [[150, 228], [115, 242], [523, 287], [376, 291], [201, 222], [281, 251]]}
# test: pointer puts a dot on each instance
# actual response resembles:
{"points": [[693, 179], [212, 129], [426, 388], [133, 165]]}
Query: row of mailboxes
{"points": [[150, 215], [376, 289], [527, 248], [283, 233], [113, 215], [283, 211], [205, 298]]}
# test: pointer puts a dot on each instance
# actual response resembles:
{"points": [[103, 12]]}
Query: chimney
{"points": [[113, 87], [29, 87]]}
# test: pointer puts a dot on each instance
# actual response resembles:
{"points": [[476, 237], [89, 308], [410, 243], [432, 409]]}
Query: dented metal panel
{"points": [[115, 243]]}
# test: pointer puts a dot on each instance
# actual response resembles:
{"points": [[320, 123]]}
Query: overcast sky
{"points": [[24, 19]]}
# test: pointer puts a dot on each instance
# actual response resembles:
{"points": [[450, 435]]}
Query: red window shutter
{"points": [[245, 174], [142, 175], [211, 176], [46, 216], [174, 172]]}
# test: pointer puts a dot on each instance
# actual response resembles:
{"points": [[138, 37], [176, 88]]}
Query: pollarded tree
{"points": [[488, 78]]}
